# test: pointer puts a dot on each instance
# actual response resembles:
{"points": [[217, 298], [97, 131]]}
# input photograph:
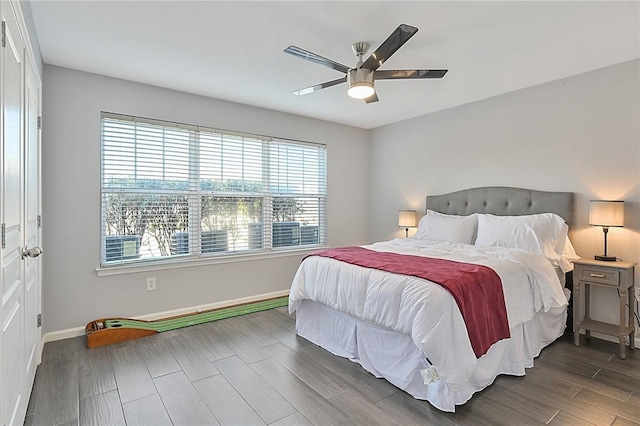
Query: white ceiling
{"points": [[233, 50]]}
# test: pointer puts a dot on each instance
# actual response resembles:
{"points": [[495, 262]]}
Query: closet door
{"points": [[13, 390], [31, 195]]}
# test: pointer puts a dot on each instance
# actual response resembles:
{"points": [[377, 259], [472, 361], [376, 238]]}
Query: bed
{"points": [[418, 334]]}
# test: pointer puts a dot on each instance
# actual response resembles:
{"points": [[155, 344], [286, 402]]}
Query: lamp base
{"points": [[606, 258]]}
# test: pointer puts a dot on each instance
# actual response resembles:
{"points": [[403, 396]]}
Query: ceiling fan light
{"points": [[360, 83], [360, 89]]}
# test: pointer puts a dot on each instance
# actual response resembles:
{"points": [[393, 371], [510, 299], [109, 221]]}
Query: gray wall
{"points": [[579, 134], [73, 294]]}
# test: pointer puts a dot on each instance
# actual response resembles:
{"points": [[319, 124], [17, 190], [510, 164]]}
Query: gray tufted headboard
{"points": [[503, 201]]}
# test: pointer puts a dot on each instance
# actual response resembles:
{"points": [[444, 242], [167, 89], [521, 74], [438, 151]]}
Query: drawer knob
{"points": [[597, 275]]}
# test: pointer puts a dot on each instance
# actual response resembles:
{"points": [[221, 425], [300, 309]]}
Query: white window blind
{"points": [[172, 190]]}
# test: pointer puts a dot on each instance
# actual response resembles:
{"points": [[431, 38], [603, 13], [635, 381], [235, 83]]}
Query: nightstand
{"points": [[614, 275]]}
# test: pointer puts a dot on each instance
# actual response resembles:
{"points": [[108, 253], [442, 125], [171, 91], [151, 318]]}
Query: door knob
{"points": [[31, 252]]}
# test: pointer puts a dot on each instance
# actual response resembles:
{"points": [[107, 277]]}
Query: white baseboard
{"points": [[62, 334], [79, 331]]}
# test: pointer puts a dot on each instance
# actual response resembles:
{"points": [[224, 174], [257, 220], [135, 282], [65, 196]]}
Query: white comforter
{"points": [[422, 309]]}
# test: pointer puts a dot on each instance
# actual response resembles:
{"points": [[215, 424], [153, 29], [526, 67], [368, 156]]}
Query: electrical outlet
{"points": [[151, 284]]}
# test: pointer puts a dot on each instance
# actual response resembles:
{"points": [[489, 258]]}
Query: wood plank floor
{"points": [[254, 370]]}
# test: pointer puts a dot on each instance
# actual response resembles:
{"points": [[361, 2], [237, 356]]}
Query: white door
{"points": [[31, 201], [12, 301], [19, 285]]}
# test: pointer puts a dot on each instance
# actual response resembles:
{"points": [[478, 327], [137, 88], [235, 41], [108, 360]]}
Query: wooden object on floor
{"points": [[99, 335], [106, 331]]}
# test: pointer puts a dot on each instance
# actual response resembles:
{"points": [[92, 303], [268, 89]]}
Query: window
{"points": [[172, 190]]}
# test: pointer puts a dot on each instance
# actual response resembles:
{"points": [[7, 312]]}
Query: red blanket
{"points": [[476, 289]]}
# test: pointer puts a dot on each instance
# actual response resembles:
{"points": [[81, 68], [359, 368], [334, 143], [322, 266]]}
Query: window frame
{"points": [[195, 193]]}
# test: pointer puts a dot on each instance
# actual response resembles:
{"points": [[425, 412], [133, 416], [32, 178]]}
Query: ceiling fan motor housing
{"points": [[360, 83]]}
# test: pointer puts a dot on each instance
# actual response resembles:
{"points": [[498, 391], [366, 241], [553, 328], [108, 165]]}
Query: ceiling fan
{"points": [[361, 79]]}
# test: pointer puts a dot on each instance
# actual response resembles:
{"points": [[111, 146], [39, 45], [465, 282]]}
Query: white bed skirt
{"points": [[393, 356]]}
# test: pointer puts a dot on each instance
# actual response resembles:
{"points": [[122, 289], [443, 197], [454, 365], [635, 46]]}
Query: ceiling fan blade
{"points": [[390, 46], [320, 86], [401, 74], [317, 59], [372, 98]]}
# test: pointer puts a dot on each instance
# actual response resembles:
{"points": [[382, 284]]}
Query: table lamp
{"points": [[606, 214], [406, 220]]}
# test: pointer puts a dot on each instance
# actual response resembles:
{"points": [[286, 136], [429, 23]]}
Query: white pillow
{"points": [[436, 226], [568, 252], [538, 233]]}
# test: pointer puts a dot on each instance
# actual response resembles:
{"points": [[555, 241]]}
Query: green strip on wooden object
{"points": [[198, 318]]}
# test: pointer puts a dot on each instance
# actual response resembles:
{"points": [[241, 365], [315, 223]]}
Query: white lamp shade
{"points": [[406, 218], [606, 213], [361, 90]]}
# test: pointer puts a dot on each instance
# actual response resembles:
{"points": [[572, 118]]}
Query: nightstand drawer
{"points": [[593, 274]]}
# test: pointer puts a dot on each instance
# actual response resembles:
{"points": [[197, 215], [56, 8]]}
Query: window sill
{"points": [[160, 265]]}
